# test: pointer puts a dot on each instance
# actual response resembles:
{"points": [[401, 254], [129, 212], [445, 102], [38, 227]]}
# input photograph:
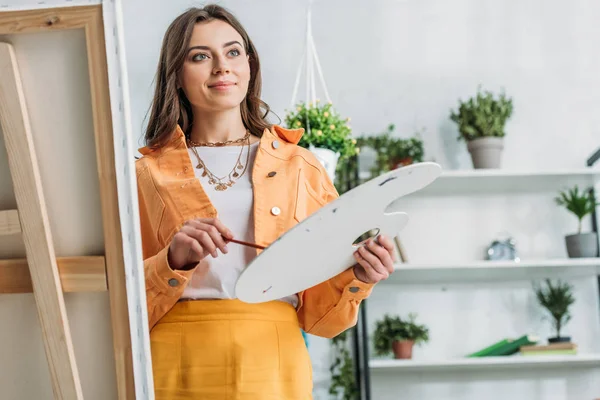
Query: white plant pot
{"points": [[328, 159], [486, 152]]}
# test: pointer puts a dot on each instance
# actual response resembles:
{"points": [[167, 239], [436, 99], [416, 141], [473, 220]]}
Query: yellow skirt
{"points": [[230, 350]]}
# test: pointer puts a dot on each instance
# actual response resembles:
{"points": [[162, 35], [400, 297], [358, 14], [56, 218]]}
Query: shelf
{"points": [[463, 364], [455, 182], [494, 270]]}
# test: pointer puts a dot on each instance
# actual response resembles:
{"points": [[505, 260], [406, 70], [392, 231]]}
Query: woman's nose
{"points": [[221, 66]]}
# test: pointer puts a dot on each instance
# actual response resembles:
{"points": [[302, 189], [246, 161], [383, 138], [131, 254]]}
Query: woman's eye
{"points": [[234, 52], [199, 57]]}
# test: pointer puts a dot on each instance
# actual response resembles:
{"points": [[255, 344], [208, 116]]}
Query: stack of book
{"points": [[526, 345], [549, 349], [506, 347]]}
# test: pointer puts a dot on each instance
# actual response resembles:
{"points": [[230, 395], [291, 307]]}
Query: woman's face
{"points": [[216, 70]]}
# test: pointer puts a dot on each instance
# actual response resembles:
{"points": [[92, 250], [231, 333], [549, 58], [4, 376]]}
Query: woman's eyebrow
{"points": [[208, 48]]}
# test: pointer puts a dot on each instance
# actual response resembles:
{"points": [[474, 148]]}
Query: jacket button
{"points": [[275, 211], [271, 174], [275, 144], [173, 282], [354, 289]]}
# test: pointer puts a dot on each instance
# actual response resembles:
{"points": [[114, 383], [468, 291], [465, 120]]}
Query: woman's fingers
{"points": [[215, 235], [215, 231], [184, 240], [223, 230], [369, 262], [195, 247], [388, 245], [203, 238], [376, 260], [383, 254], [195, 240]]}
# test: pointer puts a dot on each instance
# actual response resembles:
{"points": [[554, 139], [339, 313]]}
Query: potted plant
{"points": [[402, 152], [397, 335], [557, 300], [392, 152], [581, 204], [481, 121], [326, 134]]}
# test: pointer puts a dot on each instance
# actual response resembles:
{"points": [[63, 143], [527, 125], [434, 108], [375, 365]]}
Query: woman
{"points": [[213, 170]]}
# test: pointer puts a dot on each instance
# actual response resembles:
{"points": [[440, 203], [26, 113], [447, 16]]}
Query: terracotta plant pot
{"points": [[403, 349], [402, 162]]}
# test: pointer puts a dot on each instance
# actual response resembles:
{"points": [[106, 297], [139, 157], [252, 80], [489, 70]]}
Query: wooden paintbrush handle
{"points": [[256, 246]]}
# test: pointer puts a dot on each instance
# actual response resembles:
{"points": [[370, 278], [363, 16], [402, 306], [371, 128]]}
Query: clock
{"points": [[502, 250]]}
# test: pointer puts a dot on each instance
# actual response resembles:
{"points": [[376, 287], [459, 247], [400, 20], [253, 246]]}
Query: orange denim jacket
{"points": [[170, 194]]}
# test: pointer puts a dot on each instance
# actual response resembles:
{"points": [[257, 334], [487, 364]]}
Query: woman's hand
{"points": [[197, 239], [375, 260]]}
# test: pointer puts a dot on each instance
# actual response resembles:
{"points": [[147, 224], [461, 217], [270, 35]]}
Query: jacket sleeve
{"points": [[164, 286], [331, 307]]}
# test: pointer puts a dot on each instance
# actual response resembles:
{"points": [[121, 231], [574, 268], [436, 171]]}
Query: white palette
{"points": [[322, 245]]}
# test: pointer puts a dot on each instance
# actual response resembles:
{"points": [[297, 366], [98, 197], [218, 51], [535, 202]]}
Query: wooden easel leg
{"points": [[36, 230]]}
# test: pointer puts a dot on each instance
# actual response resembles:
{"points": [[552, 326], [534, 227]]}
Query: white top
{"points": [[235, 209]]}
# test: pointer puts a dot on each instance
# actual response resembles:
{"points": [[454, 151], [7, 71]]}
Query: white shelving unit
{"points": [[494, 183], [487, 181], [493, 270], [465, 364], [502, 180]]}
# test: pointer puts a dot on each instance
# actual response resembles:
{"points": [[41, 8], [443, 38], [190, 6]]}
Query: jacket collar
{"points": [[177, 139]]}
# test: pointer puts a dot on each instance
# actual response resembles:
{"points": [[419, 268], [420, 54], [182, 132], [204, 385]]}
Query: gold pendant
{"points": [[221, 187]]}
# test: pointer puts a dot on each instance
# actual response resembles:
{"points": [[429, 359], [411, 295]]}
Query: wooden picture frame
{"points": [[102, 273]]}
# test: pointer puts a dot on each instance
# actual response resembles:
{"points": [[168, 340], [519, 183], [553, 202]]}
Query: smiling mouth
{"points": [[222, 85]]}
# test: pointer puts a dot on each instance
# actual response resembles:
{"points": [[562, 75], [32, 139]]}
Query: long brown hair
{"points": [[170, 106]]}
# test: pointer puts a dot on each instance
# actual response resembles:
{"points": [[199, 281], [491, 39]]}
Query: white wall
{"points": [[407, 62], [54, 73]]}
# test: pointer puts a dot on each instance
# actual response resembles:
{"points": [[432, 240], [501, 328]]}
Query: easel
{"points": [[42, 273], [31, 219]]}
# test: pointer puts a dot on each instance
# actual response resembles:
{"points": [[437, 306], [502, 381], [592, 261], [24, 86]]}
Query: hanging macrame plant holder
{"points": [[310, 63]]}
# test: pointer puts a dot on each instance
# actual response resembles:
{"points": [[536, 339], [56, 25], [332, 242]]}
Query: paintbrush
{"points": [[256, 246]]}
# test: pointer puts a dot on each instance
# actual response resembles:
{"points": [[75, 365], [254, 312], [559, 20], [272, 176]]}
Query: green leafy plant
{"points": [[482, 116], [327, 129], [580, 203], [556, 299], [394, 328], [342, 369], [392, 152], [346, 175]]}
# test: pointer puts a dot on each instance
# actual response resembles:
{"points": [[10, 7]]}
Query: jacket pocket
{"points": [[152, 206], [307, 199]]}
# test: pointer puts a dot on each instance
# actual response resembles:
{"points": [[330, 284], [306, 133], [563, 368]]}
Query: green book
{"points": [[490, 349], [506, 347], [515, 345]]}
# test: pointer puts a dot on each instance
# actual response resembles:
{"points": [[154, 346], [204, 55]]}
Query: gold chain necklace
{"points": [[219, 183], [219, 144]]}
